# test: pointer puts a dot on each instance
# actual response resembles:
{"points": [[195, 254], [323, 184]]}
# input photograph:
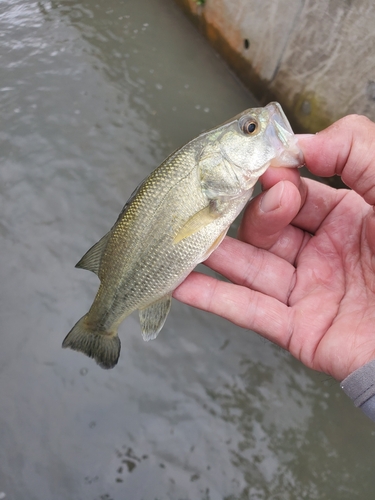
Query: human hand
{"points": [[303, 269]]}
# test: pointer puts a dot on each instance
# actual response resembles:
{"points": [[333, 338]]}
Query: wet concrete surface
{"points": [[93, 96]]}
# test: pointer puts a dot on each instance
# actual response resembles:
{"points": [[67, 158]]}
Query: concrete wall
{"points": [[316, 57]]}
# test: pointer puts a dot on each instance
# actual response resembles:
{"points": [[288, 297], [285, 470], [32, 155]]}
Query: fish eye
{"points": [[249, 126]]}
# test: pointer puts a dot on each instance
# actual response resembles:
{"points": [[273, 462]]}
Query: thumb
{"points": [[370, 231], [267, 215], [346, 148]]}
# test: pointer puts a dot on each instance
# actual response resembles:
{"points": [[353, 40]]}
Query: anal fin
{"points": [[153, 317]]}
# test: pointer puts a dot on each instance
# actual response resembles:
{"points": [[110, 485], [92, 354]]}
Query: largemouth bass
{"points": [[173, 221]]}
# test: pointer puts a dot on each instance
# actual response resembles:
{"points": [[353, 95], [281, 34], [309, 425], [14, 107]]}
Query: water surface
{"points": [[93, 96]]}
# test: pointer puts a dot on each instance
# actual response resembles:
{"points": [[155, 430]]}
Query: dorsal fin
{"points": [[92, 258]]}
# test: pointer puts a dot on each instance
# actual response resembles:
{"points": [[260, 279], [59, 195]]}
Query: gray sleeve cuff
{"points": [[360, 387]]}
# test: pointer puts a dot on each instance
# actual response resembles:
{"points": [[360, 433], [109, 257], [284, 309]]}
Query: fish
{"points": [[173, 221]]}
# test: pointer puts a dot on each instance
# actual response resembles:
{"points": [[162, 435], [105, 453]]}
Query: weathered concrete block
{"points": [[316, 58]]}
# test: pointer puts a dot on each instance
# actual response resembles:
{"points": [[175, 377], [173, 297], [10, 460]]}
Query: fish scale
{"points": [[173, 221]]}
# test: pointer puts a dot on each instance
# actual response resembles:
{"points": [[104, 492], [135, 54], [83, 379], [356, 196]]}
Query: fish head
{"points": [[235, 154]]}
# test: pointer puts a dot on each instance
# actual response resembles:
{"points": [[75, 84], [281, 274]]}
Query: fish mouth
{"points": [[283, 139]]}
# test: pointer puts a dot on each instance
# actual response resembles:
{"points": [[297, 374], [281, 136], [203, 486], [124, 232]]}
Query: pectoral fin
{"points": [[197, 222], [91, 259], [153, 317]]}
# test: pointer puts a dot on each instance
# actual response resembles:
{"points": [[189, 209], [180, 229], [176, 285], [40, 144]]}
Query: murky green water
{"points": [[93, 95]]}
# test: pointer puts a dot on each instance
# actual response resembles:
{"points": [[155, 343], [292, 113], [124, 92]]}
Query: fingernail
{"points": [[272, 198]]}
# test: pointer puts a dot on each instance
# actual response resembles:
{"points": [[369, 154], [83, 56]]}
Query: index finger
{"points": [[346, 148]]}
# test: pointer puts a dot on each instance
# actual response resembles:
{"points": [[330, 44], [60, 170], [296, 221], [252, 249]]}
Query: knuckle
{"points": [[356, 121]]}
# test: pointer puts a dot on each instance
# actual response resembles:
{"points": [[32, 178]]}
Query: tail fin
{"points": [[105, 349]]}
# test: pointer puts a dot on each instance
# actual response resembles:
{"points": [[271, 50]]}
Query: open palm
{"points": [[302, 271]]}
